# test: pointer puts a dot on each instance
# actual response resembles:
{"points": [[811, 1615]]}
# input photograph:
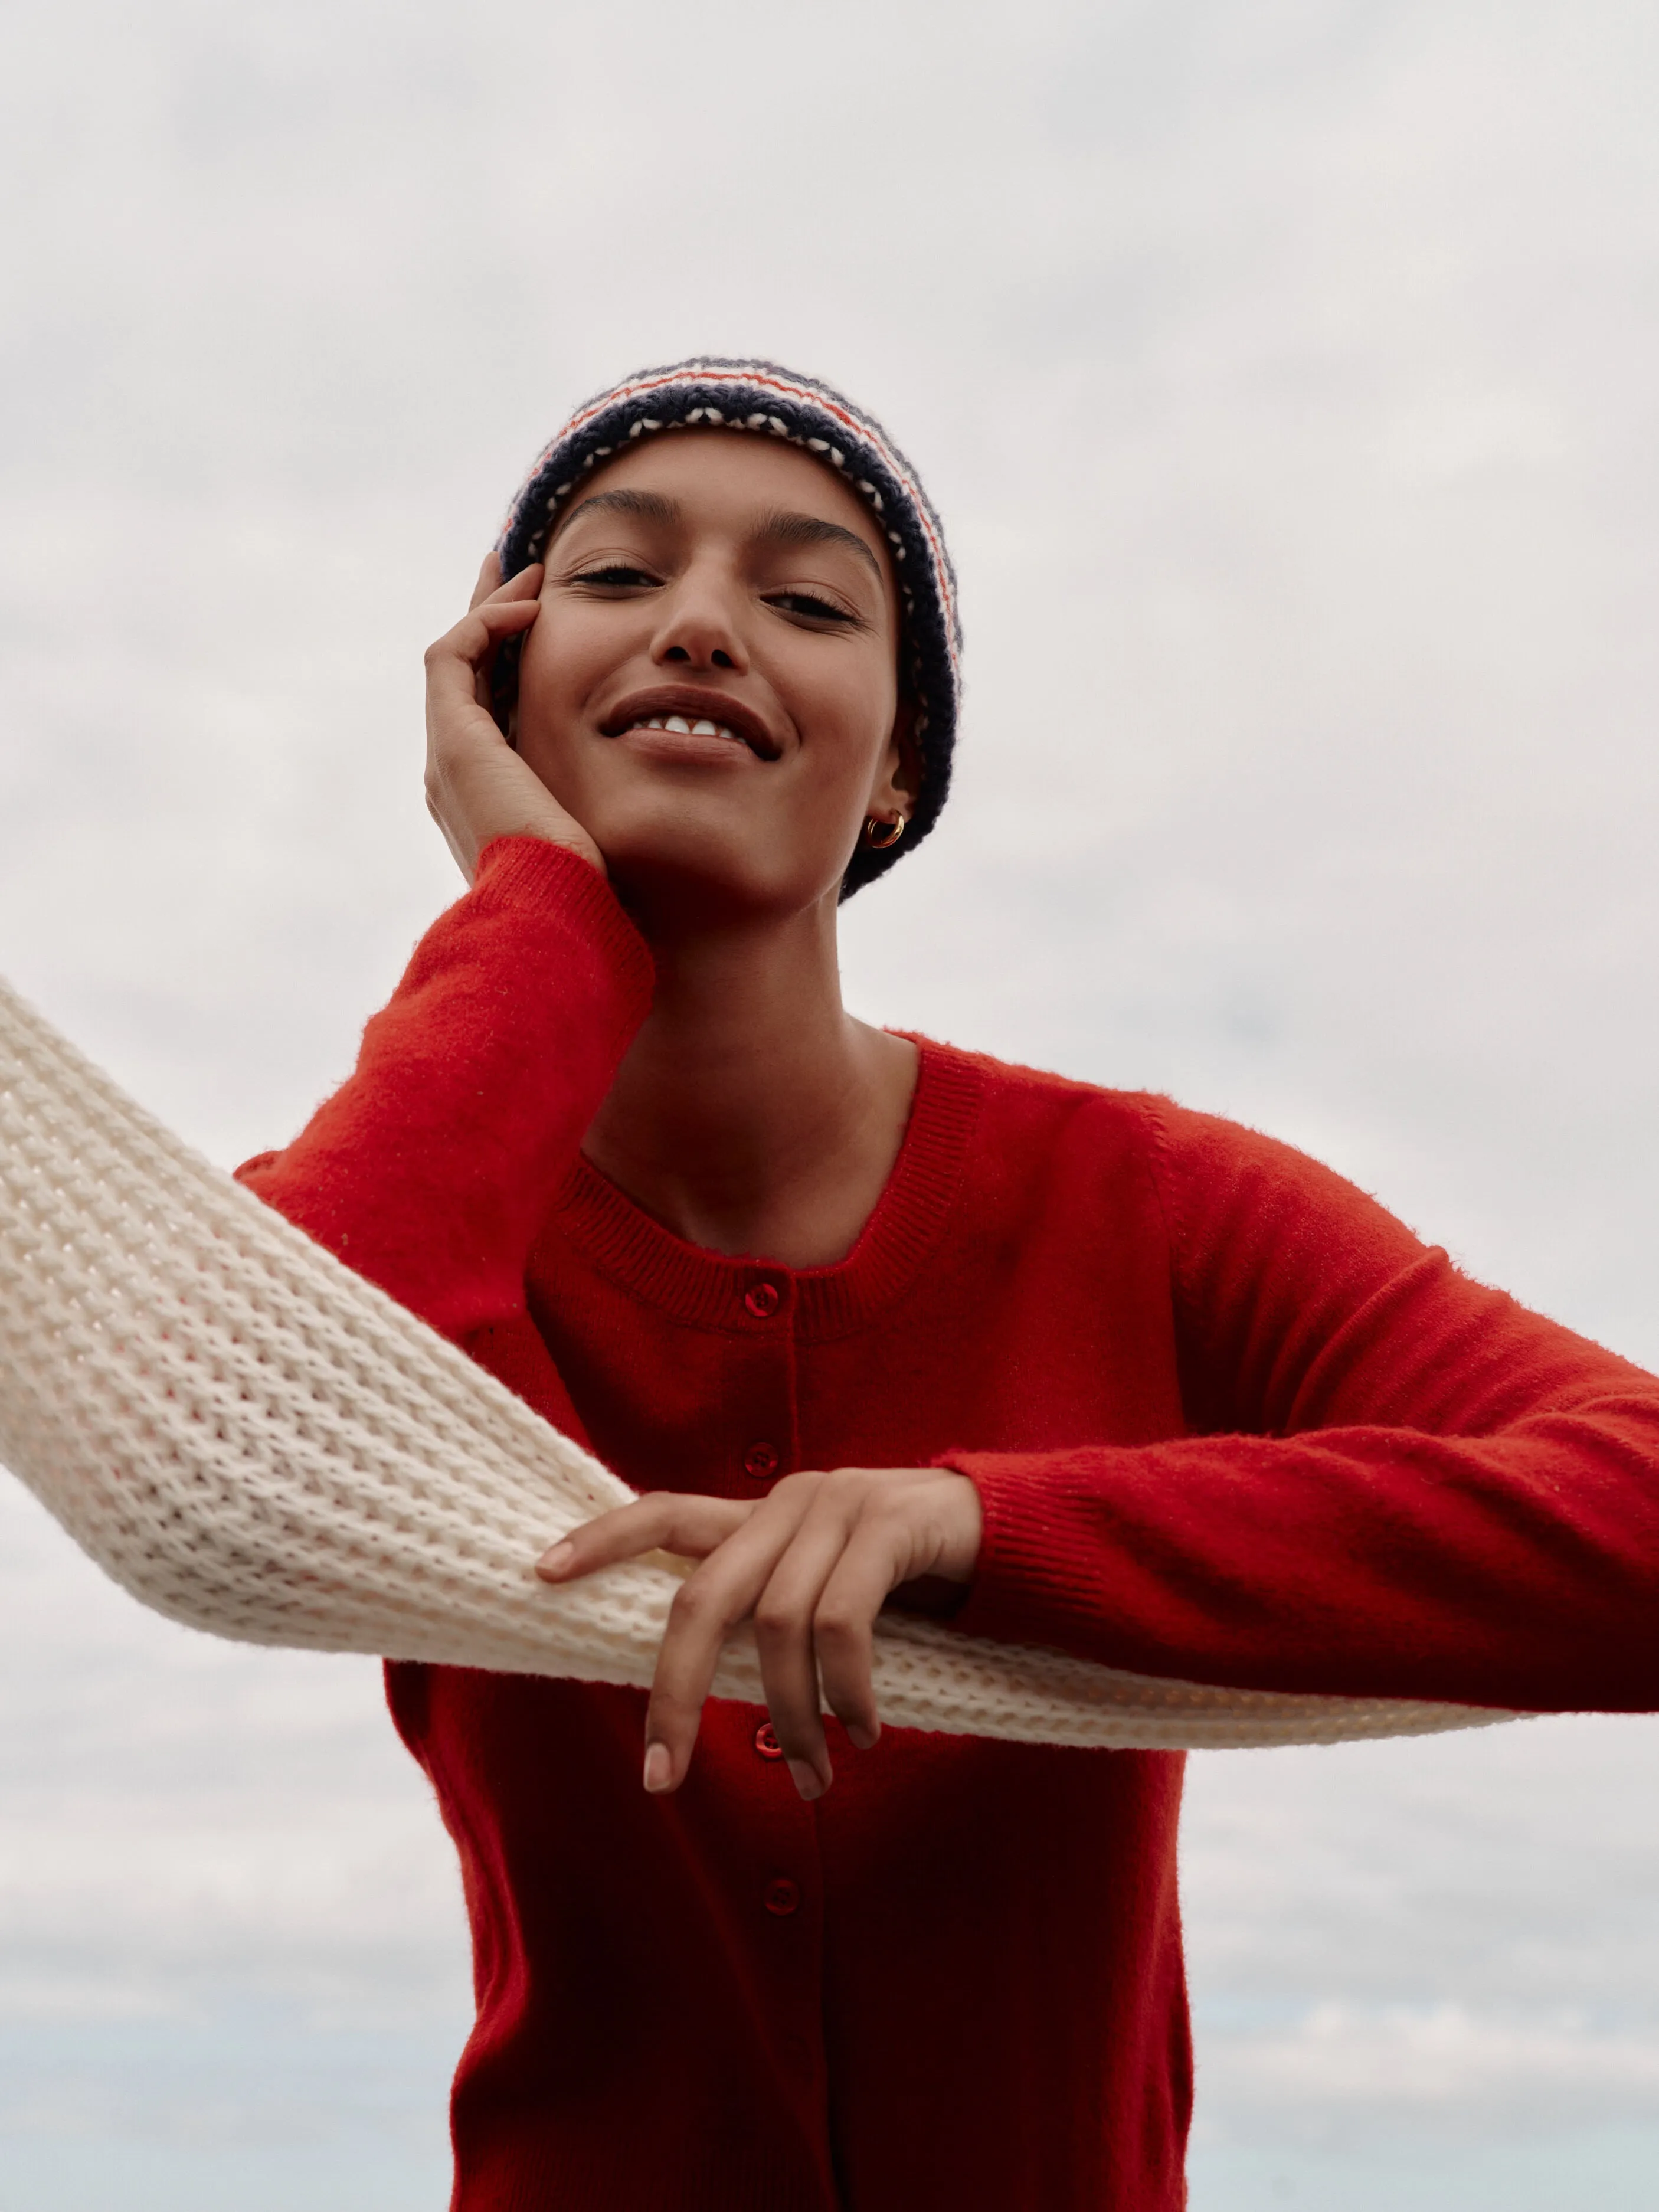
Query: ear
{"points": [[899, 778]]}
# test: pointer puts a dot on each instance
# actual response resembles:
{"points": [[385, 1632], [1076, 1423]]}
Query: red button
{"points": [[760, 1460], [782, 1896], [761, 1300], [766, 1741]]}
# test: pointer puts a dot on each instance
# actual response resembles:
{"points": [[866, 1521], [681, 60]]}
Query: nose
{"points": [[700, 627]]}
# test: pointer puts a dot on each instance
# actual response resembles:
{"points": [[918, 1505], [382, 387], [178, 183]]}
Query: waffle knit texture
{"points": [[760, 398]]}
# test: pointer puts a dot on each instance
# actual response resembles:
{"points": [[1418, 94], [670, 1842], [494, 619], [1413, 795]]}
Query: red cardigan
{"points": [[1229, 1419]]}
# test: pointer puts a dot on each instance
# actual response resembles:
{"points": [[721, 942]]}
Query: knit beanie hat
{"points": [[772, 402]]}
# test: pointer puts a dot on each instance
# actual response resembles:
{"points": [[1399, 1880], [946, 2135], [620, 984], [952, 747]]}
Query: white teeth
{"points": [[703, 728]]}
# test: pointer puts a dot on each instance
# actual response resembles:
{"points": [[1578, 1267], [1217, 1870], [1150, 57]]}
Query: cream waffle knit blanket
{"points": [[253, 1440]]}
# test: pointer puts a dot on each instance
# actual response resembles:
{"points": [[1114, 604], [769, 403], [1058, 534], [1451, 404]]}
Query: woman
{"points": [[873, 1319]]}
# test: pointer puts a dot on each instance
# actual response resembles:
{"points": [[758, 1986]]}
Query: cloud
{"points": [[1445, 2063]]}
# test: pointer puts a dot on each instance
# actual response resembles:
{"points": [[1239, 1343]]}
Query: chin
{"points": [[678, 868]]}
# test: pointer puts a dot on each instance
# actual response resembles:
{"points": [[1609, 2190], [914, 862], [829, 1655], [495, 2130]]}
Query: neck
{"points": [[752, 1113]]}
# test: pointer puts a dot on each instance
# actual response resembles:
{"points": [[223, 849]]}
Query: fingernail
{"points": [[807, 1779], [862, 1738], [556, 1561], [658, 1767]]}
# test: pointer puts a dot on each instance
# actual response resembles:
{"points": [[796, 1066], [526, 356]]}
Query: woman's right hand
{"points": [[476, 786]]}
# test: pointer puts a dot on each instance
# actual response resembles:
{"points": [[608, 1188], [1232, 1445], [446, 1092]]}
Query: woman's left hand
{"points": [[811, 1564]]}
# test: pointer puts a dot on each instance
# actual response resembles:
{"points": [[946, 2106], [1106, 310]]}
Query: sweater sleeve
{"points": [[430, 1170], [1398, 1482]]}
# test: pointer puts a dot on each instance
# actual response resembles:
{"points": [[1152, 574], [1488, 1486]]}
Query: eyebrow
{"points": [[780, 528], [648, 506], [783, 529]]}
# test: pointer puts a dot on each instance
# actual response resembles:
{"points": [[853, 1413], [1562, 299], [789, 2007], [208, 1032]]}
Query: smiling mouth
{"points": [[679, 718]]}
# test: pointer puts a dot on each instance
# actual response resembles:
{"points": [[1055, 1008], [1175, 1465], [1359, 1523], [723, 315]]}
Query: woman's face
{"points": [[729, 586]]}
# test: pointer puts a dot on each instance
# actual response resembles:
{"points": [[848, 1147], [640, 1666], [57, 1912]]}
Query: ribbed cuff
{"points": [[532, 876], [1031, 1585]]}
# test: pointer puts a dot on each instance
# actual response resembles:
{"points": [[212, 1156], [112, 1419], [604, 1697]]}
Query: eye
{"points": [[615, 576], [809, 607]]}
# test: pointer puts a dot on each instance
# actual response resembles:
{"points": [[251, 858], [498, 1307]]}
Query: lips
{"points": [[684, 712]]}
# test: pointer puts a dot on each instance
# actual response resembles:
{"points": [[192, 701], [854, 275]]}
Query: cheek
{"points": [[570, 656], [852, 716], [566, 653]]}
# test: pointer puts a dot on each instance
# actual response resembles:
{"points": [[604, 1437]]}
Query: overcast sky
{"points": [[1286, 372]]}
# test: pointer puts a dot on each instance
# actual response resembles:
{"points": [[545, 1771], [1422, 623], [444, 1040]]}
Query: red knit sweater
{"points": [[1229, 1421]]}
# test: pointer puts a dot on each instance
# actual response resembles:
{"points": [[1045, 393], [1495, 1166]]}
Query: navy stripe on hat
{"points": [[756, 396]]}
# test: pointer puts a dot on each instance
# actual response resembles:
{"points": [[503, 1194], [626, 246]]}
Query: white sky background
{"points": [[1287, 376]]}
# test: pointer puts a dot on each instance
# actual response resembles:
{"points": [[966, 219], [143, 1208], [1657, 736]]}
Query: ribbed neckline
{"points": [[711, 1291]]}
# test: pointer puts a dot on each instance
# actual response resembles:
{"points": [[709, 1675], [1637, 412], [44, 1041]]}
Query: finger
{"points": [[876, 1560], [483, 629], [453, 663], [525, 587], [489, 581], [665, 1520], [525, 584], [480, 634], [490, 578], [709, 1604], [784, 1615]]}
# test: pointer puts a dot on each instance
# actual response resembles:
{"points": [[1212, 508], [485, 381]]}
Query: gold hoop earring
{"points": [[894, 831]]}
